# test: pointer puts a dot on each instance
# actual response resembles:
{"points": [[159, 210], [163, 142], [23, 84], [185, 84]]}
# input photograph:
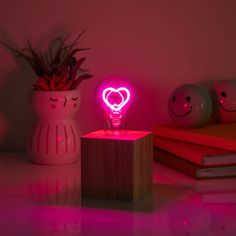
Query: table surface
{"points": [[46, 200]]}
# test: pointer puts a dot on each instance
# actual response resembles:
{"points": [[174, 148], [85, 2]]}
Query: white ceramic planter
{"points": [[56, 137]]}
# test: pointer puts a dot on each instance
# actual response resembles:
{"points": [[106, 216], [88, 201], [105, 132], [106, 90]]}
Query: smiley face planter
{"points": [[223, 95], [189, 106], [55, 138]]}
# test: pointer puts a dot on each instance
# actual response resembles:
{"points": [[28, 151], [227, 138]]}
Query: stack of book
{"points": [[210, 190], [207, 152]]}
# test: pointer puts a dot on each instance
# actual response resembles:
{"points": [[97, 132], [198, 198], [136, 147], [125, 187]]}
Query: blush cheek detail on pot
{"points": [[53, 106]]}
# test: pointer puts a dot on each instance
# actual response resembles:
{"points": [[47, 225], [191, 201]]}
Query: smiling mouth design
{"points": [[225, 109], [182, 115]]}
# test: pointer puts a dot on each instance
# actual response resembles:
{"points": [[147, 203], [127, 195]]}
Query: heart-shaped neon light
{"points": [[124, 98]]}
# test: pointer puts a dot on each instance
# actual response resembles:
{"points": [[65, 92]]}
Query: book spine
{"points": [[166, 158], [192, 169], [176, 148], [229, 171], [197, 138]]}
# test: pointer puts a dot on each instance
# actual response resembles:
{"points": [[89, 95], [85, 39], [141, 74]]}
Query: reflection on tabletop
{"points": [[46, 200]]}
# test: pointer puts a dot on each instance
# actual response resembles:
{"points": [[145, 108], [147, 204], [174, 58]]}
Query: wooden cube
{"points": [[116, 164]]}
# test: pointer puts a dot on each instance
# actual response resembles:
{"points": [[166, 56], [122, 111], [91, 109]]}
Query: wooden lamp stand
{"points": [[116, 164]]}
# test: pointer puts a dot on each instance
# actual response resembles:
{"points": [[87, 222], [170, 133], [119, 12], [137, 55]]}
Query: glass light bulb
{"points": [[115, 101]]}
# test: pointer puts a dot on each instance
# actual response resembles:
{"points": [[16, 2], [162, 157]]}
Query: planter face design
{"points": [[190, 106], [224, 101], [56, 137]]}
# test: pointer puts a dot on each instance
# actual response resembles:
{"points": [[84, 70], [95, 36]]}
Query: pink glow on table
{"points": [[117, 134], [179, 205]]}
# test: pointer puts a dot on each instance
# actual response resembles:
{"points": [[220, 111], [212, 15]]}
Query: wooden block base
{"points": [[116, 165]]}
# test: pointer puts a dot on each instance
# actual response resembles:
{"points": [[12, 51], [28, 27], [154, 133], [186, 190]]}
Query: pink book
{"points": [[192, 169], [198, 154], [222, 136]]}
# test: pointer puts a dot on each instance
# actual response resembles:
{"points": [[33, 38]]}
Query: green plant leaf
{"points": [[77, 81], [73, 70], [57, 68]]}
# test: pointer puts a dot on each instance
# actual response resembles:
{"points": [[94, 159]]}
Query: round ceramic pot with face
{"points": [[223, 95], [55, 138], [190, 106]]}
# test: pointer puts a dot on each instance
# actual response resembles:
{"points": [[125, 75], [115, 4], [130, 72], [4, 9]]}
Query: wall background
{"points": [[155, 44]]}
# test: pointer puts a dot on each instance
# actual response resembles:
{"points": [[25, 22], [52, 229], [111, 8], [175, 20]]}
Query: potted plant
{"points": [[55, 138]]}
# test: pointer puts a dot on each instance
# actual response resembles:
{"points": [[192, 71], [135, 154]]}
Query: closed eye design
{"points": [[53, 99], [74, 99]]}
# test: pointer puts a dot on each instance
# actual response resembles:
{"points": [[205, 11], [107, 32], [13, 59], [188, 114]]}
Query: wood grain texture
{"points": [[116, 168]]}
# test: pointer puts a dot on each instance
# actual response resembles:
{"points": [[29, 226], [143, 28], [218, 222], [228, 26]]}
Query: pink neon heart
{"points": [[124, 99]]}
